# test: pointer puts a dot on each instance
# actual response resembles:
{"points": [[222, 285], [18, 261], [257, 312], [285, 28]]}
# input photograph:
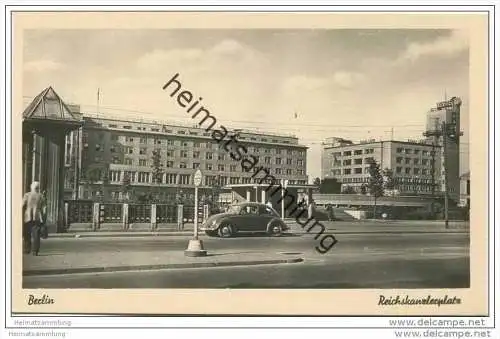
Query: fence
{"points": [[96, 216]]}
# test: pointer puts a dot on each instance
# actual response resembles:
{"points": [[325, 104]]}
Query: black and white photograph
{"points": [[246, 158], [237, 166]]}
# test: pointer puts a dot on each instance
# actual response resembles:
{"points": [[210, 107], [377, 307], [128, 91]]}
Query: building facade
{"points": [[412, 163], [447, 112], [418, 166], [110, 153]]}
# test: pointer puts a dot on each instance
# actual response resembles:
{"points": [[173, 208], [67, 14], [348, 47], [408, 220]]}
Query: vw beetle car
{"points": [[248, 217]]}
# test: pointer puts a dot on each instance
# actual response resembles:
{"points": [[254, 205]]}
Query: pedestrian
{"points": [[331, 215], [34, 212], [310, 209], [269, 204]]}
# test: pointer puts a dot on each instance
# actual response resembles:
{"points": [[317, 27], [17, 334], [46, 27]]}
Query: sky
{"points": [[356, 84]]}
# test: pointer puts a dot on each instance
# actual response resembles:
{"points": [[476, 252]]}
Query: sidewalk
{"points": [[71, 263], [335, 227]]}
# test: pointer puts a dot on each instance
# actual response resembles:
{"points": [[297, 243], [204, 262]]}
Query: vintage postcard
{"points": [[230, 163]]}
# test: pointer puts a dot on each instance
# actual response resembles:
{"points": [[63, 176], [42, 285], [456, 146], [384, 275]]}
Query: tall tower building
{"points": [[447, 144]]}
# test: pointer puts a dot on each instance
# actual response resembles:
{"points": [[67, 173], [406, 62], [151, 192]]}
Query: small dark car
{"points": [[247, 217]]}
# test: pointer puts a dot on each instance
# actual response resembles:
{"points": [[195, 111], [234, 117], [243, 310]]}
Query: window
{"points": [[267, 150], [171, 178], [129, 139], [415, 161], [358, 161], [278, 151], [196, 165], [182, 165], [209, 156], [358, 170], [222, 157], [407, 161], [170, 153], [278, 170], [184, 144], [143, 162], [114, 137], [128, 161], [208, 167], [116, 160], [170, 164], [233, 168], [288, 161], [347, 153], [399, 150], [184, 179], [358, 152], [184, 154], [347, 162], [369, 160], [196, 145], [143, 177], [399, 160], [267, 160], [143, 140], [289, 152], [289, 171], [416, 171], [170, 142], [399, 169], [114, 176], [347, 171], [369, 151], [407, 150], [278, 161], [425, 153], [425, 162], [142, 151], [417, 151], [407, 170], [300, 163], [221, 167], [424, 171], [157, 142]]}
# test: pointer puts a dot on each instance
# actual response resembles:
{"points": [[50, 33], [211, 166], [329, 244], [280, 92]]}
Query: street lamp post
{"points": [[195, 246]]}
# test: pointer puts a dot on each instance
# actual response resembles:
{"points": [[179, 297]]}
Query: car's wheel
{"points": [[226, 231], [275, 229]]}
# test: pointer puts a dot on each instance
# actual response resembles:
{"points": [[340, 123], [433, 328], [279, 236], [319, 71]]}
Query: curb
{"points": [[171, 234], [58, 271], [118, 234]]}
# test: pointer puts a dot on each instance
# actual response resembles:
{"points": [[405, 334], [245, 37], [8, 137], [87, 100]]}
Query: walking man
{"points": [[34, 214]]}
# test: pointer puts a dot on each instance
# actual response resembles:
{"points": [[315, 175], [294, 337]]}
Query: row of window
{"points": [[371, 151], [355, 152], [191, 132], [397, 181], [209, 156], [399, 170], [183, 179], [156, 140], [144, 150]]}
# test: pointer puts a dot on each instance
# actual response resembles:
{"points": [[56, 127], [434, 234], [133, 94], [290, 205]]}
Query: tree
{"points": [[375, 184], [317, 182], [348, 190], [389, 183], [157, 171], [363, 189]]}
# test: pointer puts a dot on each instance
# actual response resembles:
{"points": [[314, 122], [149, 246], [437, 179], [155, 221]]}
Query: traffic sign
{"points": [[197, 178]]}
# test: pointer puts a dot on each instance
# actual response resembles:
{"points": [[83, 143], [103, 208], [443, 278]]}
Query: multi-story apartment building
{"points": [[112, 149], [412, 163]]}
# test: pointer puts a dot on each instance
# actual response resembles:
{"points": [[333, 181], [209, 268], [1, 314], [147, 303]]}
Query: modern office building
{"points": [[447, 112], [412, 163], [417, 165], [109, 152]]}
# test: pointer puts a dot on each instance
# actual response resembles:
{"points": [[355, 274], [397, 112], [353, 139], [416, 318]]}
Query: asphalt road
{"points": [[357, 261]]}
